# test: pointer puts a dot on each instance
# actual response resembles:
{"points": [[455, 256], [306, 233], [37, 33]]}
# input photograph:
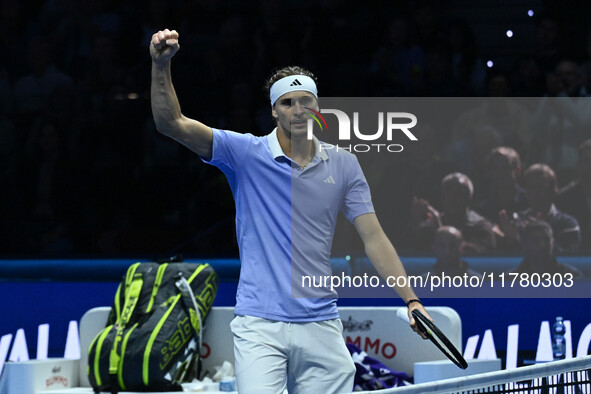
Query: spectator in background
{"points": [[14, 20], [50, 192], [427, 21], [503, 168], [103, 70], [457, 192], [234, 44], [456, 196], [423, 223], [561, 124], [527, 79], [419, 170], [10, 198], [468, 69], [547, 51], [538, 248], [468, 154], [438, 81], [575, 198], [448, 249], [498, 83], [504, 197], [31, 90], [398, 63], [541, 188], [586, 64], [8, 132], [510, 120], [567, 80]]}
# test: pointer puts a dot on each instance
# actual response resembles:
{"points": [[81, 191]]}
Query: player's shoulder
{"points": [[243, 139], [233, 134]]}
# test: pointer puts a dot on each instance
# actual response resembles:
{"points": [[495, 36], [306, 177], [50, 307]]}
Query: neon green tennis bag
{"points": [[153, 335]]}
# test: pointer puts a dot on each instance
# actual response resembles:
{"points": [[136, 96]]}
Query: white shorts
{"points": [[304, 357]]}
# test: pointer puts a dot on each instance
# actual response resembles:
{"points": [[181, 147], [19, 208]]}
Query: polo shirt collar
{"points": [[276, 150]]}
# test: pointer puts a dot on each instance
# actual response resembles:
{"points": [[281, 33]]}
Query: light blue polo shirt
{"points": [[285, 217]]}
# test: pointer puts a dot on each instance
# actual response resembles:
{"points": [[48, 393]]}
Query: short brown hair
{"points": [[460, 179], [286, 72], [544, 171], [536, 225], [508, 152]]}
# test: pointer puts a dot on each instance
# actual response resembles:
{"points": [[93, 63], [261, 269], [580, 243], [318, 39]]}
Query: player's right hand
{"points": [[164, 45], [413, 323]]}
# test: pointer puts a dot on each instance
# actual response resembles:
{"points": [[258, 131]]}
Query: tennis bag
{"points": [[153, 335]]}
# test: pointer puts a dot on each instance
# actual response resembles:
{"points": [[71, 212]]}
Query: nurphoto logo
{"points": [[390, 122]]}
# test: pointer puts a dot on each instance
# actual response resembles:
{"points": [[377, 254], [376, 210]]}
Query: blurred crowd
{"points": [[83, 171]]}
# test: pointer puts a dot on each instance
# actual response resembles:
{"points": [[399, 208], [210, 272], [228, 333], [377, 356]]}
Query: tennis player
{"points": [[279, 340]]}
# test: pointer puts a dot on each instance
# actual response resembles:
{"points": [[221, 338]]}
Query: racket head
{"points": [[439, 339]]}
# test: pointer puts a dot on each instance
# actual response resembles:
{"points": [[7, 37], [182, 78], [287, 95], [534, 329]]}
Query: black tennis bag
{"points": [[153, 335]]}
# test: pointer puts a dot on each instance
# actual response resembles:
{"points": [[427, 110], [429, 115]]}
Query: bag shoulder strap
{"points": [[133, 288]]}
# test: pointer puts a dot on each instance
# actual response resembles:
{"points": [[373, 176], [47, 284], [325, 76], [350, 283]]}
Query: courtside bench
{"points": [[376, 330]]}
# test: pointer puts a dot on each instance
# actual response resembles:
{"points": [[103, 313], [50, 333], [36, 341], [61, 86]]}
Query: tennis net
{"points": [[556, 377]]}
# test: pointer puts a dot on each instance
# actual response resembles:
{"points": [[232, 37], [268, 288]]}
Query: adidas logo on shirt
{"points": [[295, 83], [330, 179]]}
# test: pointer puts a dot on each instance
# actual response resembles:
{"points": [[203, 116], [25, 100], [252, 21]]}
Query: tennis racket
{"points": [[428, 328]]}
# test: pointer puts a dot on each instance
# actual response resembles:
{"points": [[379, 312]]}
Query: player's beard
{"points": [[295, 131]]}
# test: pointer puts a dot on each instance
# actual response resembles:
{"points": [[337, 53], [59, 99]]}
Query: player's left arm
{"points": [[384, 258]]}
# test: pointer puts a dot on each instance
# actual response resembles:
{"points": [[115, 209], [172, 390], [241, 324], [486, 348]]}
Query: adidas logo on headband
{"points": [[292, 83]]}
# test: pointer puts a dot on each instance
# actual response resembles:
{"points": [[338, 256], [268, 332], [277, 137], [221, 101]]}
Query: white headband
{"points": [[292, 83]]}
